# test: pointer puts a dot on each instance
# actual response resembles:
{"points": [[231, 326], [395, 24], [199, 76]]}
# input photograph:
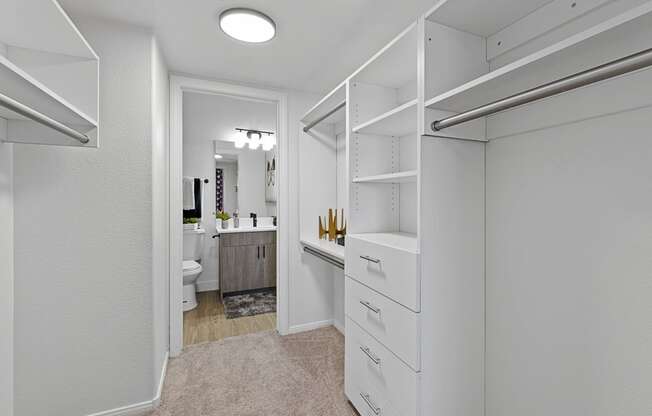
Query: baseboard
{"points": [[138, 409], [159, 391], [339, 326], [143, 408], [207, 286], [295, 329]]}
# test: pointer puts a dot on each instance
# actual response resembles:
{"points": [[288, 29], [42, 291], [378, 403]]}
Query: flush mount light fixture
{"points": [[247, 25]]}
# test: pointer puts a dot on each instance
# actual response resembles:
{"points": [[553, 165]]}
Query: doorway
{"points": [[181, 87]]}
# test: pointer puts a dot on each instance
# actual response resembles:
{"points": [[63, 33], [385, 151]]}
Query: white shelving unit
{"points": [[396, 122], [420, 208], [50, 68], [398, 177], [506, 51]]}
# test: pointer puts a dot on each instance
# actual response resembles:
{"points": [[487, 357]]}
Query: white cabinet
{"points": [[46, 66]]}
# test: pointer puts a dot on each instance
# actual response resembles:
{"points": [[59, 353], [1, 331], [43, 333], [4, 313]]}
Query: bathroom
{"points": [[230, 217]]}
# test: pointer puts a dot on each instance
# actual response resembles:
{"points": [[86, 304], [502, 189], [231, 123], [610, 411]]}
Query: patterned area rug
{"points": [[250, 304]]}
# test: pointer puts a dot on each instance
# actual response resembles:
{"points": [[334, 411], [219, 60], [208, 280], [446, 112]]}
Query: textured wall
{"points": [[84, 331]]}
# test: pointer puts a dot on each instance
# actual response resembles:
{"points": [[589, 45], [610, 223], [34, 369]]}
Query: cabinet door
{"points": [[241, 268], [269, 262]]}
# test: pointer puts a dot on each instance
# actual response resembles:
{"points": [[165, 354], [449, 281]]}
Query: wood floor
{"points": [[207, 321]]}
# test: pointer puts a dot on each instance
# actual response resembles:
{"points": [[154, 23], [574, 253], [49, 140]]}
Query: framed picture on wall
{"points": [[270, 176]]}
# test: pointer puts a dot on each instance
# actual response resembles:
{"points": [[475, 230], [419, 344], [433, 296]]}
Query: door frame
{"points": [[178, 85]]}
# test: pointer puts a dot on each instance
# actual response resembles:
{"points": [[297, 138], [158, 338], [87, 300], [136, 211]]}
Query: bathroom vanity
{"points": [[247, 259]]}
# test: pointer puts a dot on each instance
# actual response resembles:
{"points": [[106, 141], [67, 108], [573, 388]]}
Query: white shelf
{"points": [[514, 77], [42, 25], [397, 122], [22, 87], [398, 177], [325, 105], [326, 247], [50, 68], [396, 240], [395, 65]]}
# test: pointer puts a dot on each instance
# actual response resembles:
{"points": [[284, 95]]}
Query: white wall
{"points": [[6, 279], [207, 118], [84, 330], [313, 283], [160, 209], [569, 237]]}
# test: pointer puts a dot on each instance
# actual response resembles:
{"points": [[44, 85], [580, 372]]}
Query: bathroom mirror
{"points": [[245, 179]]}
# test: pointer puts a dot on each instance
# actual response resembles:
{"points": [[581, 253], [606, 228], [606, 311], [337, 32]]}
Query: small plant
{"points": [[223, 215], [190, 220]]}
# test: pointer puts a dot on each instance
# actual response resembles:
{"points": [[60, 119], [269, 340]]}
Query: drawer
{"points": [[376, 382], [388, 270], [248, 239], [395, 326]]}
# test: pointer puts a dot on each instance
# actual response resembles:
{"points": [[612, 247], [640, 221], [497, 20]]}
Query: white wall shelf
{"points": [[329, 248], [396, 240], [397, 122], [394, 66], [50, 68], [516, 76], [327, 103], [398, 177]]}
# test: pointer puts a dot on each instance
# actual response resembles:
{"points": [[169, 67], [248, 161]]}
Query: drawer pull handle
{"points": [[369, 306], [371, 259], [371, 404], [369, 354]]}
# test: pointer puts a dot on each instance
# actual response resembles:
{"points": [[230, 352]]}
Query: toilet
{"points": [[193, 243]]}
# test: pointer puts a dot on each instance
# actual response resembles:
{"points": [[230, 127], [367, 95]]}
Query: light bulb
{"points": [[254, 140], [241, 140]]}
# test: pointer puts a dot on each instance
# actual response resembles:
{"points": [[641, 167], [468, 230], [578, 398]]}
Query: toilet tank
{"points": [[193, 243]]}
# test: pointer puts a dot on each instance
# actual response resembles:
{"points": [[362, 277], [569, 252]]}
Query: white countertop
{"points": [[232, 230], [330, 248]]}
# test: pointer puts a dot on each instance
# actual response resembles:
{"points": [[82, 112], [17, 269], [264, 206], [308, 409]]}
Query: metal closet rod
{"points": [[41, 118], [324, 117], [611, 69], [335, 262]]}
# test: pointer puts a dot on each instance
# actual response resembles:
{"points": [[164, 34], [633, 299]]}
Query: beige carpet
{"points": [[259, 374]]}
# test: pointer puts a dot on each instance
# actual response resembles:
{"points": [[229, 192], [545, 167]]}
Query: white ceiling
{"points": [[318, 44]]}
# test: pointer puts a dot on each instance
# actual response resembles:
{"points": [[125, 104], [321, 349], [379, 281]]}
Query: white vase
{"points": [[225, 224]]}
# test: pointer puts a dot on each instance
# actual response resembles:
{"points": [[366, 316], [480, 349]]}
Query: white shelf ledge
{"points": [[328, 248], [396, 240], [326, 104], [397, 122], [512, 78], [398, 177], [23, 88]]}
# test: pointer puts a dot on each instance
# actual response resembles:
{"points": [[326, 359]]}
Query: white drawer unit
{"points": [[393, 325], [387, 263], [376, 381]]}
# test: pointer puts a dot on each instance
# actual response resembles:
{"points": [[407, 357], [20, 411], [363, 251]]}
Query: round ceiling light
{"points": [[247, 25]]}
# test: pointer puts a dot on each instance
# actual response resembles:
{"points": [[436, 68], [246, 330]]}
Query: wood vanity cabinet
{"points": [[247, 261]]}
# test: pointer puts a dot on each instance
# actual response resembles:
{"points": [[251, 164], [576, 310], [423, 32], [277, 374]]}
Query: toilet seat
{"points": [[190, 265]]}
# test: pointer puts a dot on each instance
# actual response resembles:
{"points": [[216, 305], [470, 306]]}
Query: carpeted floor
{"points": [[259, 374]]}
